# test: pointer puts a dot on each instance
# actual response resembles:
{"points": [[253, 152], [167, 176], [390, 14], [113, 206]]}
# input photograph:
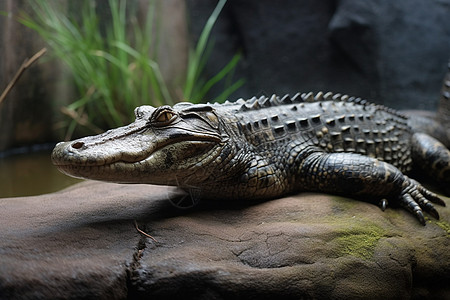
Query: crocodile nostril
{"points": [[77, 145]]}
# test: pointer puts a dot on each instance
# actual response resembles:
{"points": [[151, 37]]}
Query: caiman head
{"points": [[164, 145]]}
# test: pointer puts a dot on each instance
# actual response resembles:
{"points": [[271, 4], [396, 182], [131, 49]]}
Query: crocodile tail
{"points": [[443, 114]]}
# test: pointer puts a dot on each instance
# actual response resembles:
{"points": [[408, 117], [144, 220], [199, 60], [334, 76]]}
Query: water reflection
{"points": [[30, 174]]}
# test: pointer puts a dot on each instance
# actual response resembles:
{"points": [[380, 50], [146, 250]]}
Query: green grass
{"points": [[115, 71], [198, 59]]}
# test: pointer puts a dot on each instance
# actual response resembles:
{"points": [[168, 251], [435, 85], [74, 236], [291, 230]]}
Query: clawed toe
{"points": [[432, 197], [416, 199], [428, 194], [432, 211], [410, 204], [383, 204]]}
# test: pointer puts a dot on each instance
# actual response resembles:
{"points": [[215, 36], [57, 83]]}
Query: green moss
{"points": [[444, 225], [343, 203], [360, 241]]}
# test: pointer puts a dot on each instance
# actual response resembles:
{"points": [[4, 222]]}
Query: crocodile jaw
{"points": [[163, 166], [135, 157]]}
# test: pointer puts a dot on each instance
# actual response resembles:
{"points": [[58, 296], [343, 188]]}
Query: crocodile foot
{"points": [[416, 199]]}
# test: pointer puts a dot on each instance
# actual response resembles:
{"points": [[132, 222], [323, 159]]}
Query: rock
{"points": [[81, 243], [78, 243]]}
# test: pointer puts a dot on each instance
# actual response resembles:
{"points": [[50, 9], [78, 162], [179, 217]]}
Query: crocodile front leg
{"points": [[433, 158], [358, 175]]}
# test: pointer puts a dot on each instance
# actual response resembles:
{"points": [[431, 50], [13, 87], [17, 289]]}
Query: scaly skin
{"points": [[266, 148]]}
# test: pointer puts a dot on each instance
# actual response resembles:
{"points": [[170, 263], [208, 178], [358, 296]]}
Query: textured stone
{"points": [[76, 243], [81, 242]]}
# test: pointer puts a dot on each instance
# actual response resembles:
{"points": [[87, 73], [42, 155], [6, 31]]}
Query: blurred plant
{"points": [[25, 65], [115, 71], [196, 87]]}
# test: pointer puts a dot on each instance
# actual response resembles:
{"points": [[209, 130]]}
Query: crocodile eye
{"points": [[163, 116]]}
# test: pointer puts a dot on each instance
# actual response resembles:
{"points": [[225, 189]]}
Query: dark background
{"points": [[392, 52]]}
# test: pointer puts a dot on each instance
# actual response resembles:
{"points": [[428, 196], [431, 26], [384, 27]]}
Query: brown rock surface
{"points": [[81, 243]]}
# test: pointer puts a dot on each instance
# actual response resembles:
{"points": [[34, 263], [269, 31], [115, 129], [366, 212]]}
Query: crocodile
{"points": [[267, 147]]}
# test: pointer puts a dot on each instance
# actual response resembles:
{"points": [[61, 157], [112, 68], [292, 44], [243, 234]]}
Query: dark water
{"points": [[32, 173]]}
